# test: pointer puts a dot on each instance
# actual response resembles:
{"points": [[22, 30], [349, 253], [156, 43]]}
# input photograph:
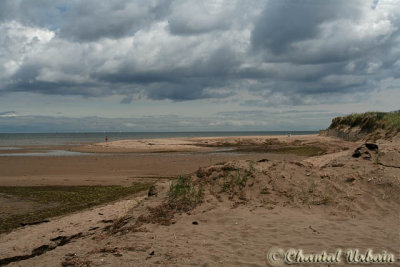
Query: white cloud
{"points": [[241, 54], [19, 42]]}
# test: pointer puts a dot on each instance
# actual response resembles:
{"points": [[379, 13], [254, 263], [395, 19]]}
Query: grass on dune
{"points": [[62, 200], [369, 121], [185, 192]]}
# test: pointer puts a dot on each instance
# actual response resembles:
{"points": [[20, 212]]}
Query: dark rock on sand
{"points": [[363, 151], [356, 153], [372, 146], [152, 191]]}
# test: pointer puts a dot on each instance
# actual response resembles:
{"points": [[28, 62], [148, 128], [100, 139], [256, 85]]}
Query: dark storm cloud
{"points": [[322, 32], [282, 52], [179, 27], [5, 6], [86, 20], [194, 18], [179, 83], [284, 22], [25, 80], [111, 19], [325, 52], [181, 92]]}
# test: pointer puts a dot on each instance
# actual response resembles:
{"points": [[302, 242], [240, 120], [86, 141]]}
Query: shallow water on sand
{"points": [[28, 139], [9, 148], [45, 153]]}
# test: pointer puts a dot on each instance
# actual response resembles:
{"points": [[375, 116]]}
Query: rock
{"points": [[34, 223], [363, 152], [195, 223], [356, 153], [372, 146], [152, 191]]}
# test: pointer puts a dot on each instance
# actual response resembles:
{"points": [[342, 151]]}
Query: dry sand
{"points": [[320, 203]]}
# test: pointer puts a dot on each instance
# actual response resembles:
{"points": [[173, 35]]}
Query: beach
{"points": [[305, 192], [199, 133], [123, 162]]}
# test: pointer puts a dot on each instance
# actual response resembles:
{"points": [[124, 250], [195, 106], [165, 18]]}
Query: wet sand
{"points": [[112, 169]]}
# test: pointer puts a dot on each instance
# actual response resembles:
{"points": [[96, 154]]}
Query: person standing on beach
{"points": [[106, 138]]}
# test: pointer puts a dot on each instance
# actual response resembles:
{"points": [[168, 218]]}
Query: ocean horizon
{"points": [[76, 138]]}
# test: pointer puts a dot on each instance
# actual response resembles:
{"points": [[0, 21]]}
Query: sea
{"points": [[48, 139]]}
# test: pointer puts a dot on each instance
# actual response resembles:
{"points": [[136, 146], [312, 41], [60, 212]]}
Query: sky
{"points": [[212, 65]]}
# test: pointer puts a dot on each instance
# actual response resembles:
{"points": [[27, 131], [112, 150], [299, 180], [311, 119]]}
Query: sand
{"points": [[202, 144], [319, 203], [123, 162], [112, 169]]}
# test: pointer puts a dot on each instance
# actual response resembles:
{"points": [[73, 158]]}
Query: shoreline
{"points": [[79, 139], [121, 162], [172, 144], [189, 144]]}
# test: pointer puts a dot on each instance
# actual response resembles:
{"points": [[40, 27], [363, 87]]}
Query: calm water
{"points": [[24, 139], [48, 153]]}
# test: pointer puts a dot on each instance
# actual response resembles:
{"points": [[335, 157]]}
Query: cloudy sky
{"points": [[172, 65]]}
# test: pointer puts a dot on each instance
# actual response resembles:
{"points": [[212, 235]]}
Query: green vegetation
{"points": [[183, 196], [369, 121], [185, 191], [377, 159], [239, 180], [59, 200], [235, 180]]}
